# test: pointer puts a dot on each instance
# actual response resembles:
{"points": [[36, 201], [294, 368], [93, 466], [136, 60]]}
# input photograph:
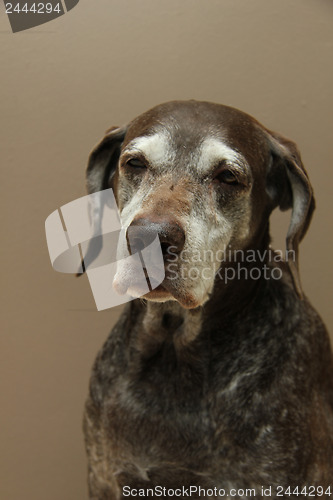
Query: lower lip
{"points": [[158, 292], [159, 289]]}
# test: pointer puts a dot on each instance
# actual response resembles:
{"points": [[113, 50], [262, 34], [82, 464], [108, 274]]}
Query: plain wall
{"points": [[62, 85]]}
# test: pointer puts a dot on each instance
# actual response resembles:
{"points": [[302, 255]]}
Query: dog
{"points": [[218, 383]]}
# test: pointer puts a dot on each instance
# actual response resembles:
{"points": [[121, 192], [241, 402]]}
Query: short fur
{"points": [[206, 382]]}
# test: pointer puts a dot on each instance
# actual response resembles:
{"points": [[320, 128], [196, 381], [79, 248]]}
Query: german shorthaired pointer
{"points": [[219, 382]]}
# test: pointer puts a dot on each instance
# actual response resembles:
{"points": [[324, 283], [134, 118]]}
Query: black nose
{"points": [[142, 232]]}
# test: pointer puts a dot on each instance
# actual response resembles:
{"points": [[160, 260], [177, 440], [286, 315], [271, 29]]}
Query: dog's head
{"points": [[205, 178]]}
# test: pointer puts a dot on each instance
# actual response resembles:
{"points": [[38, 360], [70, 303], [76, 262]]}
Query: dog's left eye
{"points": [[226, 177], [136, 163]]}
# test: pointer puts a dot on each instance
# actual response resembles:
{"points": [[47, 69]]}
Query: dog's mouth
{"points": [[162, 294], [173, 289], [137, 281]]}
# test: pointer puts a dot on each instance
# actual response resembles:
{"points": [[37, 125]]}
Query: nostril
{"points": [[165, 248], [172, 238], [137, 245]]}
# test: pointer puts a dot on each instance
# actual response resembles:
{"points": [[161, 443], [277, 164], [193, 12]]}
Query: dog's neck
{"points": [[163, 321], [249, 276]]}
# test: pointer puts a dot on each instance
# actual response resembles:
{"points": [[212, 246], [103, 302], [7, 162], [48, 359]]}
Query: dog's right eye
{"points": [[136, 164], [226, 176]]}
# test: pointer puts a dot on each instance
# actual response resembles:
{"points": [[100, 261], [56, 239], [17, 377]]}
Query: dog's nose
{"points": [[142, 232]]}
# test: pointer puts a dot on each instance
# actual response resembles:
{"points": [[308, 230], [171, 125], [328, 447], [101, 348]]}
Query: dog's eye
{"points": [[136, 163], [226, 177]]}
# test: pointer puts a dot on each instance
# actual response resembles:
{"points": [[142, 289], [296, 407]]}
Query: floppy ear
{"points": [[289, 187], [103, 159], [101, 167]]}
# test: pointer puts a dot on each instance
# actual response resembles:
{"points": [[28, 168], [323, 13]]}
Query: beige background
{"points": [[62, 85]]}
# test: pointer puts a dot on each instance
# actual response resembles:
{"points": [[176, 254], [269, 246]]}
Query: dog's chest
{"points": [[171, 419], [169, 409], [168, 412]]}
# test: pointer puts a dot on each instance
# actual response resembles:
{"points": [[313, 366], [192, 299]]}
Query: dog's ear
{"points": [[101, 167], [289, 187], [103, 159]]}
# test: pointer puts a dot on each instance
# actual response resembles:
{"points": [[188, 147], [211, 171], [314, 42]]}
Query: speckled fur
{"points": [[234, 393]]}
